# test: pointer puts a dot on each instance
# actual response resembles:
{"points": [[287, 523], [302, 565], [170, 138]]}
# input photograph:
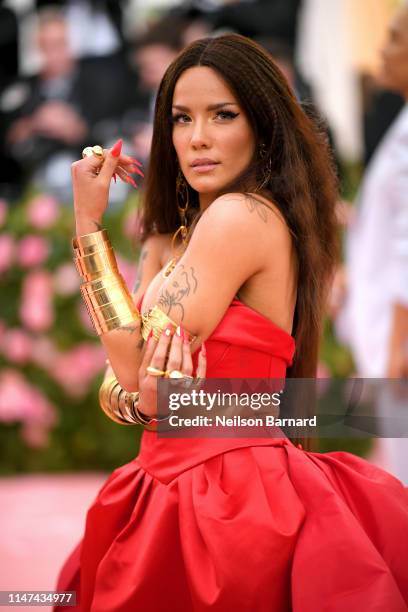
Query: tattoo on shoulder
{"points": [[182, 285], [139, 275], [256, 205]]}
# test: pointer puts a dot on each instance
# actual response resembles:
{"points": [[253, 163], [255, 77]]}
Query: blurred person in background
{"points": [[104, 18], [373, 319], [152, 53], [9, 170], [67, 103]]}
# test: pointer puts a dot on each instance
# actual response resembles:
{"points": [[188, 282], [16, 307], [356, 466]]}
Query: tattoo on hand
{"points": [[183, 284]]}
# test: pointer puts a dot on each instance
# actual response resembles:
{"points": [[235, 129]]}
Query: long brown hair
{"points": [[302, 182]]}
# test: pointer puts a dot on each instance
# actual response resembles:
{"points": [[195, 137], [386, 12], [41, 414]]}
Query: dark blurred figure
{"points": [[152, 53], [8, 74], [8, 46], [93, 10], [380, 109], [68, 104], [273, 18]]}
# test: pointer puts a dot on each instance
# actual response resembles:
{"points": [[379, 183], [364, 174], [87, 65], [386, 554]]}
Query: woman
{"points": [[227, 524]]}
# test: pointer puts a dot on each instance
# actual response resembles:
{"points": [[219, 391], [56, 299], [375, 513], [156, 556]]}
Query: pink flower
{"points": [[66, 279], [2, 331], [44, 352], [17, 346], [7, 249], [21, 401], [32, 251], [128, 270], [74, 370], [43, 211], [3, 211], [36, 309]]}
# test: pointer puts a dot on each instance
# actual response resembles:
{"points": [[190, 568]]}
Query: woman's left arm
{"points": [[232, 242]]}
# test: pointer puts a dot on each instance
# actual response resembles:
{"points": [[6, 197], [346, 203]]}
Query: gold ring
{"points": [[95, 150], [176, 374], [154, 371]]}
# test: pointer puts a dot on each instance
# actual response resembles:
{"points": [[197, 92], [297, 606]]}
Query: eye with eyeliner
{"points": [[226, 115]]}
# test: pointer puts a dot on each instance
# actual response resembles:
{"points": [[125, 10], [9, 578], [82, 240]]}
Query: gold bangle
{"points": [[158, 320], [109, 303], [105, 293], [105, 398], [94, 265], [113, 399], [99, 238]]}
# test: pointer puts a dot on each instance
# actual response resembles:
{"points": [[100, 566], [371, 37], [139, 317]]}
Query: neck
{"points": [[205, 200]]}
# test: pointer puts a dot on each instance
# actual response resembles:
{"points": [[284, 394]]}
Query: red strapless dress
{"points": [[243, 525]]}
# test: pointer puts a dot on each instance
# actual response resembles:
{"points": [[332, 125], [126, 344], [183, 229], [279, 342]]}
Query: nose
{"points": [[200, 137]]}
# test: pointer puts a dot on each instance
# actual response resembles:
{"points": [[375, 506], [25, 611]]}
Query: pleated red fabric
{"points": [[242, 524]]}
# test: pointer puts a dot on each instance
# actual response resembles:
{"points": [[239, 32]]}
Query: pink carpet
{"points": [[42, 518]]}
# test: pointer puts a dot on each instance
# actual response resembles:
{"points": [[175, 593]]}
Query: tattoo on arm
{"points": [[139, 275], [132, 330], [183, 284]]}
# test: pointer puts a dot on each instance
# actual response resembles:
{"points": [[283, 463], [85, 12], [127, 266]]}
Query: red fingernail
{"points": [[114, 177], [150, 334], [136, 170], [117, 148], [138, 163], [131, 181]]}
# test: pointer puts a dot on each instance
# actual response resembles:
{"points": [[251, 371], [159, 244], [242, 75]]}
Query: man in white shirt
{"points": [[374, 318]]}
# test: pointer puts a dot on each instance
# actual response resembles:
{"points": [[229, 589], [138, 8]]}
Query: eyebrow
{"points": [[209, 108]]}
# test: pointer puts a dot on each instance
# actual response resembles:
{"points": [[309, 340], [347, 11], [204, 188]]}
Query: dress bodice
{"points": [[246, 344]]}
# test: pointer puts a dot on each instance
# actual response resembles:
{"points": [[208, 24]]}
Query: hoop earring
{"points": [[267, 169], [182, 201]]}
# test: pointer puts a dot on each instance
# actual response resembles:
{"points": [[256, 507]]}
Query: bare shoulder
{"points": [[246, 215]]}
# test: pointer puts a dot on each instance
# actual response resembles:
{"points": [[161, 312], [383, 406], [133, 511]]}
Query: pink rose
{"points": [[44, 352], [36, 309], [43, 211], [7, 249], [3, 212], [74, 370], [17, 346], [66, 279], [128, 270], [2, 331], [21, 401], [32, 251]]}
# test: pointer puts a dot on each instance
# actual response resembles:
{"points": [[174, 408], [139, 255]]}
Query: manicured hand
{"points": [[171, 352]]}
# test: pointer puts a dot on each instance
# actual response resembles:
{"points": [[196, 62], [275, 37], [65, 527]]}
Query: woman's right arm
{"points": [[91, 182]]}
